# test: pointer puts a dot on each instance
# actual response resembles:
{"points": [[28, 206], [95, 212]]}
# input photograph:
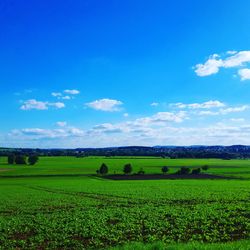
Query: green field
{"points": [[55, 204]]}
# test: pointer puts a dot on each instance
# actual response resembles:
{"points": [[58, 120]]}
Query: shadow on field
{"points": [[166, 177]]}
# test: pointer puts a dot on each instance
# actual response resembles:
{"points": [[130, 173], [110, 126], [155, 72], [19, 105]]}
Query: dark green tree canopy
{"points": [[127, 168], [20, 159], [103, 169], [11, 159], [164, 169], [33, 159]]}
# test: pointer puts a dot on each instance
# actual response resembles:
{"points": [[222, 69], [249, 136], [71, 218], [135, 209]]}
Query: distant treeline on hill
{"points": [[221, 152]]}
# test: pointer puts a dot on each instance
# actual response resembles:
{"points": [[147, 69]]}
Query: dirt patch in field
{"points": [[4, 169], [167, 177]]}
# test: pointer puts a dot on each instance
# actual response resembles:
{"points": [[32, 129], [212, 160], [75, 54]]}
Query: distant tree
{"points": [[164, 169], [205, 167], [184, 170], [196, 171], [33, 159], [103, 169], [98, 171], [11, 159], [141, 171], [127, 169], [20, 159]]}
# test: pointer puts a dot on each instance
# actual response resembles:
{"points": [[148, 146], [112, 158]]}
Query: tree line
{"points": [[22, 159], [127, 169]]}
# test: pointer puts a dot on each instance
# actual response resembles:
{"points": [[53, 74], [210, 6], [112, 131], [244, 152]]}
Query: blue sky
{"points": [[111, 73]]}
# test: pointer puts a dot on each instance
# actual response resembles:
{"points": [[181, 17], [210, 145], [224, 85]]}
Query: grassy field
{"points": [[89, 165], [50, 206]]}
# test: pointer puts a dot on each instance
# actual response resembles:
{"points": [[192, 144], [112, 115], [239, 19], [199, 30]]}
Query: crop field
{"points": [[58, 204]]}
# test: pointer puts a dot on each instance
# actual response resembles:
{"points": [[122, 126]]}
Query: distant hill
{"points": [[195, 151]]}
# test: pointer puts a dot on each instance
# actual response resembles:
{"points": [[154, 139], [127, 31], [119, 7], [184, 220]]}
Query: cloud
{"points": [[154, 104], [125, 114], [105, 104], [34, 104], [244, 74], [56, 94], [66, 97], [38, 133], [40, 105], [211, 66], [225, 111], [205, 105], [162, 118], [215, 62], [72, 91], [61, 124], [237, 119]]}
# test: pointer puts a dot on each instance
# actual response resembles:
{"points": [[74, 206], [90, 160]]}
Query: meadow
{"points": [[59, 203]]}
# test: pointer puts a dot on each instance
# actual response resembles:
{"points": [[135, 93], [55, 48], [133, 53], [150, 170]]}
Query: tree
{"points": [[184, 170], [164, 169], [127, 168], [196, 171], [20, 159], [33, 159], [103, 169], [205, 167], [11, 159]]}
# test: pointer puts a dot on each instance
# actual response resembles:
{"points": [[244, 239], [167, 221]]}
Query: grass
{"points": [[88, 165], [86, 212]]}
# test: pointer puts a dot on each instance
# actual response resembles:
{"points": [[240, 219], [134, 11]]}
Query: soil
{"points": [[166, 176]]}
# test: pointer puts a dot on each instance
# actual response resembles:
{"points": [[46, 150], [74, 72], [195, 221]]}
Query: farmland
{"points": [[58, 203]]}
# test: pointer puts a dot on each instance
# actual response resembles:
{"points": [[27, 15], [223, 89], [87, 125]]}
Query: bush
{"points": [[164, 169], [141, 171], [33, 159], [196, 171], [103, 169], [205, 167], [20, 159], [127, 168], [11, 159], [183, 170]]}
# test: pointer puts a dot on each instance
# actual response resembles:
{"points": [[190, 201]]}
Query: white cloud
{"points": [[225, 111], [40, 105], [72, 91], [154, 104], [125, 114], [38, 133], [211, 66], [215, 62], [57, 105], [56, 94], [66, 97], [244, 74], [237, 119], [34, 104], [204, 105], [61, 124], [105, 104]]}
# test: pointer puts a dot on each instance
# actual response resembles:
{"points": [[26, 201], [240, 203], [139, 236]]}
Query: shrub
{"points": [[20, 159], [183, 170], [196, 171], [11, 159], [141, 171], [164, 169], [127, 168], [103, 169], [205, 167], [33, 159]]}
